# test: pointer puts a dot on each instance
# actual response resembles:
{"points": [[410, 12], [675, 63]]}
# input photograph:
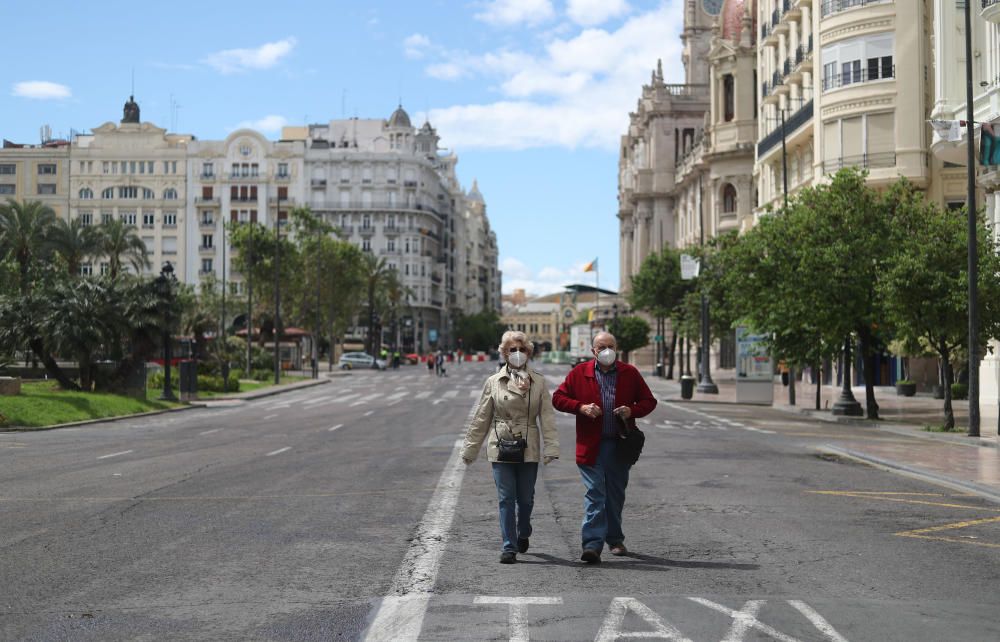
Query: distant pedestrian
{"points": [[516, 420], [595, 391], [430, 362]]}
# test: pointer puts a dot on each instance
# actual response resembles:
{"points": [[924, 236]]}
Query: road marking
{"points": [[332, 428], [369, 413], [437, 401], [367, 399], [422, 395], [718, 419], [450, 394], [400, 615], [124, 452], [475, 392], [746, 618], [209, 432], [611, 628], [348, 397], [817, 620], [919, 532], [848, 493], [270, 417], [517, 629], [398, 395], [278, 451]]}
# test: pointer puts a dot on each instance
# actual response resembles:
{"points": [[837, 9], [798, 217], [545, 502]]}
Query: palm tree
{"points": [[121, 243], [74, 242], [397, 295], [24, 229], [375, 274]]}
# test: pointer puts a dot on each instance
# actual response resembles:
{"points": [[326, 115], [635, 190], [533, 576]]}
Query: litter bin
{"points": [[687, 387], [189, 380]]}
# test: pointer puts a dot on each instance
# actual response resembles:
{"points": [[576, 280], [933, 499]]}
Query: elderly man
{"points": [[596, 391]]}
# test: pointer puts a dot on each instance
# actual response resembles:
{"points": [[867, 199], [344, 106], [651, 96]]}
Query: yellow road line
{"points": [[862, 495], [919, 533]]}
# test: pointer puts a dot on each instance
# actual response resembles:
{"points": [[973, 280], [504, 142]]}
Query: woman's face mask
{"points": [[517, 359]]}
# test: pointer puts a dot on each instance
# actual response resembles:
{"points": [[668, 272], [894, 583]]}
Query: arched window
{"points": [[108, 193], [147, 194], [86, 193], [728, 97], [170, 194], [728, 199]]}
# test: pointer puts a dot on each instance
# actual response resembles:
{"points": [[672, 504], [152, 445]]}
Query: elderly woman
{"points": [[515, 410]]}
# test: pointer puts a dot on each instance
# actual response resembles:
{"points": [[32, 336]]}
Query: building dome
{"points": [[399, 118], [731, 17], [474, 193]]}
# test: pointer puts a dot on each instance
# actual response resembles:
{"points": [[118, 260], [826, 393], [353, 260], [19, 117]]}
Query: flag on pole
{"points": [[590, 267]]}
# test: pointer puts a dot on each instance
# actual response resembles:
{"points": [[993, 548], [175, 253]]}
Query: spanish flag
{"points": [[590, 267]]}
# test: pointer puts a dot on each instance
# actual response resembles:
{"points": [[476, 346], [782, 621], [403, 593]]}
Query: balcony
{"points": [[830, 7], [392, 229], [802, 116], [865, 161], [207, 222], [860, 75], [207, 176], [273, 200], [991, 11], [693, 91], [206, 249], [284, 178], [240, 176], [242, 199], [366, 230], [410, 184], [318, 183], [207, 200]]}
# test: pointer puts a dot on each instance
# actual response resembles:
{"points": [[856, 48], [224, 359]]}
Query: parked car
{"points": [[351, 360], [411, 359]]}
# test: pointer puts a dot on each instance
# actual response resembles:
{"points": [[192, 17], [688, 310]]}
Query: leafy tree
{"points": [[121, 245], [24, 233], [73, 243], [631, 332], [926, 286], [480, 331], [657, 288]]}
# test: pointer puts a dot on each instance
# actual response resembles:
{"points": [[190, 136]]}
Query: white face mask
{"points": [[517, 359], [607, 356]]}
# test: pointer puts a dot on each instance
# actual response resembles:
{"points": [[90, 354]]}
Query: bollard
{"points": [[687, 387]]}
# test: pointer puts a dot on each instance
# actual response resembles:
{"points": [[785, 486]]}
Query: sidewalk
{"points": [[954, 459]]}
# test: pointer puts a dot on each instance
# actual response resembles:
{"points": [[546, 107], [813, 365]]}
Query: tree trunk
{"points": [[51, 367], [949, 413], [672, 355], [819, 385], [868, 363], [86, 378]]}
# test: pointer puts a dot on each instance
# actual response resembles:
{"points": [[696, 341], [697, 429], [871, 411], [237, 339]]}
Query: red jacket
{"points": [[581, 388]]}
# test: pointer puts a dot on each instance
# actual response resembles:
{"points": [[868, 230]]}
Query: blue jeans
{"points": [[604, 500], [516, 492]]}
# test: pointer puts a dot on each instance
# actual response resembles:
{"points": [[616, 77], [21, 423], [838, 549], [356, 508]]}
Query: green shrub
{"points": [[262, 375], [212, 383], [904, 382], [155, 380], [959, 391]]}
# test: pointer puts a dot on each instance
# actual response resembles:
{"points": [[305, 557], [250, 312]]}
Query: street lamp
{"points": [[973, 250], [164, 284], [277, 289], [222, 335], [847, 404], [706, 385]]}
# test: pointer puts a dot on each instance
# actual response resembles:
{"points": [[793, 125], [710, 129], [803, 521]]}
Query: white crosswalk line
{"points": [[450, 394], [422, 395], [278, 451]]}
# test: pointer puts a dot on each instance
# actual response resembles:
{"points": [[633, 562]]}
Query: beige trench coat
{"points": [[505, 404]]}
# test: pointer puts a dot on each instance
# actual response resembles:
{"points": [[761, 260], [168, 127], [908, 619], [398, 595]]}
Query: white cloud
{"points": [[416, 45], [270, 123], [594, 12], [548, 280], [507, 13], [265, 56], [576, 93], [41, 90]]}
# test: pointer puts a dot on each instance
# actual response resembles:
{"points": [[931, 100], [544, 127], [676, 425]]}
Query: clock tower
{"points": [[699, 16]]}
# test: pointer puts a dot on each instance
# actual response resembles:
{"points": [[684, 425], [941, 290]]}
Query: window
{"points": [[206, 266], [128, 191], [170, 219], [105, 217], [46, 188], [170, 194], [108, 193], [46, 169], [406, 269], [858, 60], [390, 245], [206, 193], [86, 269], [105, 268], [131, 167], [128, 217], [169, 245], [7, 188], [8, 168], [149, 242], [282, 193], [106, 167], [729, 199], [282, 170], [729, 99], [149, 166], [207, 218], [254, 169], [147, 194], [86, 193], [366, 245], [206, 241], [207, 170], [148, 219], [366, 221], [86, 218]]}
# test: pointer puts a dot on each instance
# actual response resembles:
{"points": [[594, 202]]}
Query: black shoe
{"points": [[507, 557], [590, 556], [522, 545]]}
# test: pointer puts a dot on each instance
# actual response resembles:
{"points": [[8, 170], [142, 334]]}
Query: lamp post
{"points": [[784, 188], [973, 250], [164, 284], [222, 333], [249, 263], [706, 385], [847, 404], [277, 290]]}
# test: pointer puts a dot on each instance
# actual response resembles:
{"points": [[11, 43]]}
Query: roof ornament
{"points": [[130, 113]]}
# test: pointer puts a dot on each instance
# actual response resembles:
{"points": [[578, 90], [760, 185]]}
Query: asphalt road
{"points": [[342, 512]]}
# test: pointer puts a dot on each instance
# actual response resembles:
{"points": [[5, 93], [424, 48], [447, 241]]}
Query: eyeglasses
{"points": [[516, 349]]}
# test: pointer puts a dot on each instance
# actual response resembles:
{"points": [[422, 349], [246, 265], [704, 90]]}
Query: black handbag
{"points": [[630, 441]]}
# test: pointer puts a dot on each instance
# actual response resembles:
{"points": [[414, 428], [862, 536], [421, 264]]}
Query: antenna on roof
{"points": [[343, 103], [132, 93]]}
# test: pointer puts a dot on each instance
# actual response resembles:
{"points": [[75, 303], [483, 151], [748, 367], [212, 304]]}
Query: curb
{"points": [[199, 403], [985, 492]]}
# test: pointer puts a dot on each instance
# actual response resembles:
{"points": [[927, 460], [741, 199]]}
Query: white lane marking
{"points": [[270, 417], [743, 620], [209, 432], [369, 413], [611, 628], [717, 419], [450, 394], [475, 392], [309, 402], [349, 397], [278, 451], [751, 621], [367, 399], [817, 620], [398, 395], [393, 402], [437, 401], [124, 452], [517, 630], [422, 395], [400, 616], [332, 428]]}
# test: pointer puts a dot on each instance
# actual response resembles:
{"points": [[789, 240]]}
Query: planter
{"points": [[906, 389], [10, 386]]}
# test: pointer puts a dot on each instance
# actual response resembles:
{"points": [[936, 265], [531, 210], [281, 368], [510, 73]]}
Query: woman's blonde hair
{"points": [[510, 336]]}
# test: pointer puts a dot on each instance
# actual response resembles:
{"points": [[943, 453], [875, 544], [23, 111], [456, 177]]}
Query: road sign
{"points": [[690, 267]]}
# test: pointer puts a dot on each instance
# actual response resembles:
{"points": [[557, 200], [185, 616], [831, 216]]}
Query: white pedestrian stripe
{"points": [[124, 452], [369, 413], [209, 432], [331, 429], [718, 420], [349, 397], [367, 399], [817, 620], [475, 393], [278, 451], [270, 417], [450, 394], [517, 630], [422, 395]]}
